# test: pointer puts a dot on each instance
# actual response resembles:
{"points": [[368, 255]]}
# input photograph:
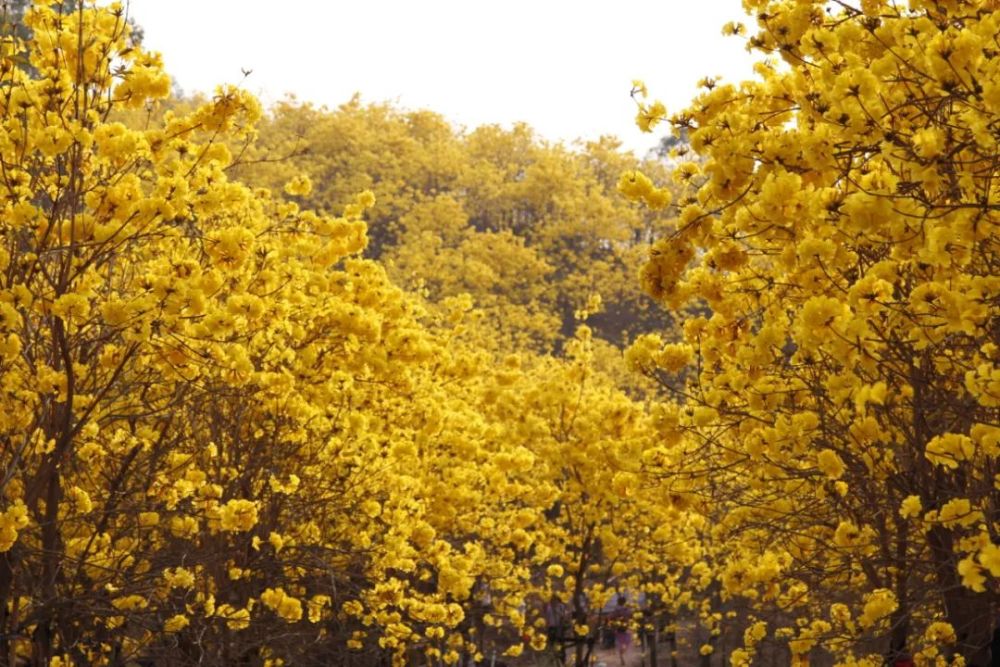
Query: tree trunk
{"points": [[654, 638], [706, 660], [582, 653], [968, 612], [47, 628], [900, 630], [672, 640], [8, 619]]}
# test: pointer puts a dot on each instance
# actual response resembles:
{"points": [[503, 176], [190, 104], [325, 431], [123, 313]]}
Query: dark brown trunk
{"points": [[900, 630], [582, 652], [45, 631], [654, 638], [6, 598], [672, 642], [706, 660], [899, 633], [968, 612]]}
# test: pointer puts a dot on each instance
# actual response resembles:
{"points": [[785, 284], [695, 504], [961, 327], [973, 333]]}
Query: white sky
{"points": [[563, 66]]}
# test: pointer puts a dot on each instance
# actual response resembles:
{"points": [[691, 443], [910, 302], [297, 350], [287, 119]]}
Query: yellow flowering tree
{"points": [[593, 524], [229, 438], [840, 405], [530, 230], [205, 398]]}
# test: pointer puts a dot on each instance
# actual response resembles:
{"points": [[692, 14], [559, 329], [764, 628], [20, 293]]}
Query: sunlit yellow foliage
{"points": [[350, 393], [843, 233], [528, 229], [230, 437]]}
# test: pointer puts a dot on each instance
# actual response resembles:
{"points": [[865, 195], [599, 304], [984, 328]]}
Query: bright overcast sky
{"points": [[565, 67]]}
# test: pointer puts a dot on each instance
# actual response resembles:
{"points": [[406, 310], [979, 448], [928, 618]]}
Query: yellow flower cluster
{"points": [[239, 515], [284, 605], [12, 519], [638, 187], [878, 605]]}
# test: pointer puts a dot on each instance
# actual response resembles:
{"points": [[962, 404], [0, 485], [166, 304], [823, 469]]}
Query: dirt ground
{"points": [[687, 655], [609, 658], [633, 658]]}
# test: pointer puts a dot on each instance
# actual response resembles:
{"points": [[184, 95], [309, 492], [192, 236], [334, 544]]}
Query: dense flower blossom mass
{"points": [[355, 386]]}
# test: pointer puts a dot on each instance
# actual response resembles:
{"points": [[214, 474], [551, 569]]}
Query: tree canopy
{"points": [[309, 386]]}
